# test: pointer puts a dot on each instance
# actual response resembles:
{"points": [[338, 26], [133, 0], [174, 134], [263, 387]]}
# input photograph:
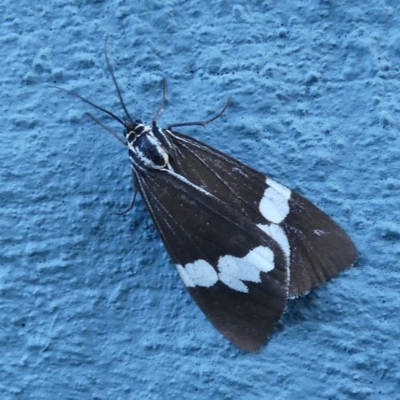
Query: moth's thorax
{"points": [[145, 147]]}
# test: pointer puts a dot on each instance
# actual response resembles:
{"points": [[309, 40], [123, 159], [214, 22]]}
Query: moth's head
{"points": [[134, 129], [132, 125]]}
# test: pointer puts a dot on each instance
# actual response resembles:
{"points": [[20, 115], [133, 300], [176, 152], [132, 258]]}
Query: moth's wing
{"points": [[235, 272], [320, 248], [317, 247]]}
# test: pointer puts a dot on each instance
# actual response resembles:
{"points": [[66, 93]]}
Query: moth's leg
{"points": [[133, 199], [202, 123]]}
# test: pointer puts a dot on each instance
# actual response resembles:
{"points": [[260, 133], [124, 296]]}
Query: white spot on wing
{"points": [[233, 282], [274, 205], [232, 271], [184, 276], [262, 258], [283, 190], [198, 273], [238, 268], [278, 234]]}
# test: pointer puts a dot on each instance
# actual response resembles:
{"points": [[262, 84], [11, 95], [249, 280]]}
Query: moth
{"points": [[241, 242]]}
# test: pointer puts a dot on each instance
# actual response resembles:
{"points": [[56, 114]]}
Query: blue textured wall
{"points": [[90, 305]]}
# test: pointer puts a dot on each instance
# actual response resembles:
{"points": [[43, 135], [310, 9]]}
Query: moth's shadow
{"points": [[300, 309]]}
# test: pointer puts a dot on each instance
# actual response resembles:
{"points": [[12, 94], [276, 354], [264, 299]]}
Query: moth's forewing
{"points": [[200, 231], [319, 247]]}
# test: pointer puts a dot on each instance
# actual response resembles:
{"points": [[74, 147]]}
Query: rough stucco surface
{"points": [[90, 305]]}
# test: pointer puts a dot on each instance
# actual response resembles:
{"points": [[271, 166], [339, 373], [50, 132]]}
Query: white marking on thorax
{"points": [[274, 205], [146, 130], [155, 142], [232, 271]]}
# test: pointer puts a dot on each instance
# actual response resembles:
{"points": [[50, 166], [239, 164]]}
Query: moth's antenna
{"points": [[90, 102], [154, 122], [106, 128], [202, 123], [121, 100]]}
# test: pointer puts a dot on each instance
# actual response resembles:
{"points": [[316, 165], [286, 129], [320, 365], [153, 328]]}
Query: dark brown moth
{"points": [[241, 242]]}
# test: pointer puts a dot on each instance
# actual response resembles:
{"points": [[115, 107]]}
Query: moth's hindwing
{"points": [[319, 248]]}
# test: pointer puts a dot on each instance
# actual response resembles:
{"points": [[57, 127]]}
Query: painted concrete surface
{"points": [[91, 307]]}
